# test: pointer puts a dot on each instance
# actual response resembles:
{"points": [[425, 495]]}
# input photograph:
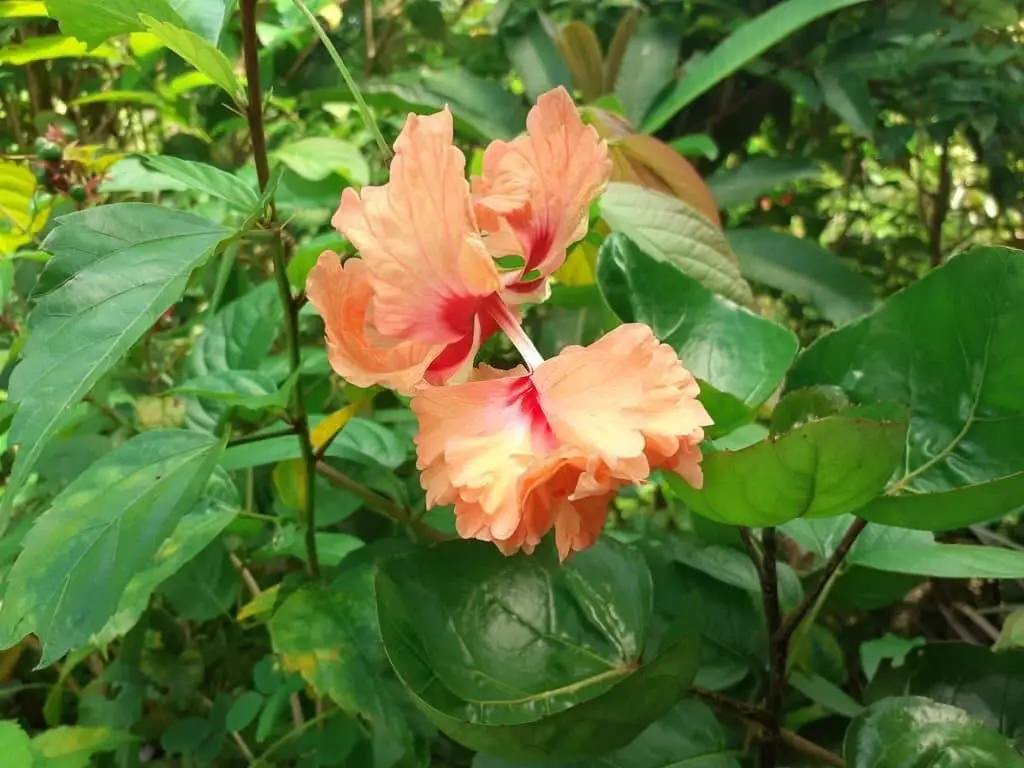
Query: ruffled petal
{"points": [[342, 295], [625, 399], [542, 183], [418, 235]]}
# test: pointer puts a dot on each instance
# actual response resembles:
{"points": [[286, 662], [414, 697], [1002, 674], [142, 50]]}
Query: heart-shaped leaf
{"points": [[948, 347], [529, 659]]}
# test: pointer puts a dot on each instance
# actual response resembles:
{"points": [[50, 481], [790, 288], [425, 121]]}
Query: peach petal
{"points": [[419, 237], [542, 183], [341, 294]]}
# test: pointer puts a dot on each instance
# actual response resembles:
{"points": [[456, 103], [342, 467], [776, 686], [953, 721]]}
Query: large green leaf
{"points": [[671, 231], [901, 550], [914, 732], [115, 270], [990, 686], [743, 184], [740, 48], [93, 23], [949, 348], [821, 469], [536, 59], [803, 268], [105, 527], [527, 658], [648, 66], [200, 177], [200, 53], [330, 635], [481, 107], [729, 347], [317, 157], [203, 523], [687, 736], [204, 17], [847, 94], [239, 336]]}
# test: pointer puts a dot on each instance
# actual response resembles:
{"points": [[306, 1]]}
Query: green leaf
{"points": [[246, 389], [694, 145], [740, 48], [130, 175], [889, 646], [826, 694], [746, 182], [205, 587], [83, 552], [239, 336], [669, 230], [901, 550], [648, 66], [527, 658], [362, 441], [69, 746], [204, 17], [728, 346], [331, 637], [1011, 636], [46, 47], [847, 94], [687, 736], [200, 177], [536, 59], [22, 9], [317, 157], [803, 268], [332, 548], [115, 270], [914, 732], [93, 23], [15, 745], [201, 54], [822, 469], [482, 108], [947, 347], [806, 405], [244, 710], [990, 686], [949, 510], [194, 532]]}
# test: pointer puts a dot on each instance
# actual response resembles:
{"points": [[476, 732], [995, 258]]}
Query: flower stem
{"points": [[509, 323], [299, 417]]}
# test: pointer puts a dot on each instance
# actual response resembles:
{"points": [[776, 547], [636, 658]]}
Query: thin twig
{"points": [[777, 649], [751, 548], [980, 621], [756, 719], [258, 436], [109, 412], [379, 504], [300, 419], [246, 574], [962, 632], [293, 734], [799, 613]]}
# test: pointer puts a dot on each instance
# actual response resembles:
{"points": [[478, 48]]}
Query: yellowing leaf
{"points": [[290, 483], [22, 9], [19, 221], [95, 157], [324, 432], [260, 605], [54, 47], [580, 267]]}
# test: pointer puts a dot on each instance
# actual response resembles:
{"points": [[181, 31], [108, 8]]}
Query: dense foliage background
{"points": [[214, 551]]}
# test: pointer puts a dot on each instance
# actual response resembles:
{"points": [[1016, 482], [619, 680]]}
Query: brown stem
{"points": [[777, 649], [755, 718], [940, 208], [379, 504], [299, 416], [751, 548], [810, 600]]}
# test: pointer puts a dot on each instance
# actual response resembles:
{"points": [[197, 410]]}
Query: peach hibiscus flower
{"points": [[520, 453], [420, 301]]}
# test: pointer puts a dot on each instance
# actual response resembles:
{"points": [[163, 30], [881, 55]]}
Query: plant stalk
{"points": [[777, 653], [299, 415]]}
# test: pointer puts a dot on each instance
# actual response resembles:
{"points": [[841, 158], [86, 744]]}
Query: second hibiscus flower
{"points": [[520, 452]]}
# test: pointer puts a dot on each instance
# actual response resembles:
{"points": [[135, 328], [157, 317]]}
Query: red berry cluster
{"points": [[61, 176]]}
